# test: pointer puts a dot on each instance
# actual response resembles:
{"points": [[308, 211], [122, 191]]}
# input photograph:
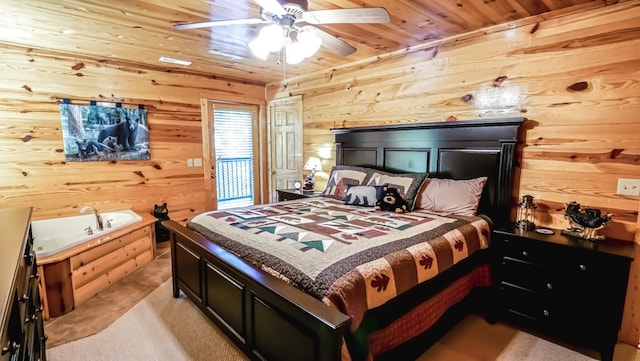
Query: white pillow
{"points": [[450, 196]]}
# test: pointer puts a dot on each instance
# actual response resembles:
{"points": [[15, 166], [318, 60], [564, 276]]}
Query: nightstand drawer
{"points": [[528, 306], [524, 251], [534, 277]]}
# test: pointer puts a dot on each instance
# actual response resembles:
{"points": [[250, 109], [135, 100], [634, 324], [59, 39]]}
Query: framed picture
{"points": [[98, 133]]}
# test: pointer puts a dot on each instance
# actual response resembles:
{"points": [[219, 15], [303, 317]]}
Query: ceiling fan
{"points": [[292, 25]]}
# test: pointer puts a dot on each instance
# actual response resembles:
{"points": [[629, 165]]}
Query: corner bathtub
{"points": [[55, 235], [75, 266]]}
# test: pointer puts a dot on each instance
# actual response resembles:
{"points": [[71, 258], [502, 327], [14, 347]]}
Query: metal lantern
{"points": [[526, 213]]}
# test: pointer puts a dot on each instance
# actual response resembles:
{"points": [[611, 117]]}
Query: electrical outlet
{"points": [[628, 187], [197, 162]]}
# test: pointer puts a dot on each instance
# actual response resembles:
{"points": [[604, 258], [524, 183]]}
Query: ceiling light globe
{"points": [[272, 36], [259, 49], [309, 41], [294, 53]]}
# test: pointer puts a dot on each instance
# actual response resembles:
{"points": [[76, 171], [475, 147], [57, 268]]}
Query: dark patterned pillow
{"points": [[343, 176], [407, 184], [365, 196]]}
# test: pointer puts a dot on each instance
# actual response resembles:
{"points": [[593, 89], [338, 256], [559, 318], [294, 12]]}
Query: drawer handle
{"points": [[35, 275], [546, 313], [32, 318], [13, 347], [525, 253], [28, 258], [582, 267], [24, 298], [549, 286]]}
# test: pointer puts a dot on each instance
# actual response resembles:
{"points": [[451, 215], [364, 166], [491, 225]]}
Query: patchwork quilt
{"points": [[350, 257]]}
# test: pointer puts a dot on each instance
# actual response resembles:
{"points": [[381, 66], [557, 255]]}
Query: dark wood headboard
{"points": [[457, 150]]}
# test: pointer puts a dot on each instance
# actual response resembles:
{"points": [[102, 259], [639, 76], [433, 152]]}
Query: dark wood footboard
{"points": [[266, 318]]}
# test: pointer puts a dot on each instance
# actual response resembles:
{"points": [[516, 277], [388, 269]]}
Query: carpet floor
{"points": [[107, 306], [160, 327]]}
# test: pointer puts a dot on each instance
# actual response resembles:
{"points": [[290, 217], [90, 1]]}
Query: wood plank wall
{"points": [[575, 78], [32, 164]]}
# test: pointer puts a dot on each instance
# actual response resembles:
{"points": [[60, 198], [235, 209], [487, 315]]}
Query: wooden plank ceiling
{"points": [[139, 32]]}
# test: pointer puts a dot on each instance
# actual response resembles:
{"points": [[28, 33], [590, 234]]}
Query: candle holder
{"points": [[526, 213]]}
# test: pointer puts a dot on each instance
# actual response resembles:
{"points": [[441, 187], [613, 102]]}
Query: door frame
{"points": [[206, 112]]}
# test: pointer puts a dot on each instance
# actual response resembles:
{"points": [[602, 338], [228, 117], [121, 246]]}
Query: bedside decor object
{"points": [[313, 164], [526, 213], [297, 185], [546, 231], [584, 223]]}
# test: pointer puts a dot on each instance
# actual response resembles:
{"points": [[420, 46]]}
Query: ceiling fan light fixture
{"points": [[258, 48], [294, 53], [272, 36], [309, 41]]}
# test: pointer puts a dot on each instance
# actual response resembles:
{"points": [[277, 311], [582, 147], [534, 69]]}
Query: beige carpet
{"points": [[107, 306], [161, 327]]}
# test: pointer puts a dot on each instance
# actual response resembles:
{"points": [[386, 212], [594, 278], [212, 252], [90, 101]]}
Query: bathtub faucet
{"points": [[97, 214]]}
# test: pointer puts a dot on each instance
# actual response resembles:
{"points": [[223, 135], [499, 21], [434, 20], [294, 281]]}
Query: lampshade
{"points": [[313, 164], [298, 43]]}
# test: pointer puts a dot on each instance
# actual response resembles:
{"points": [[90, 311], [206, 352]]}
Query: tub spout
{"points": [[99, 225]]}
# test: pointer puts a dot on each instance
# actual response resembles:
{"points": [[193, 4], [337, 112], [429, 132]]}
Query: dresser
{"points": [[565, 287], [22, 332]]}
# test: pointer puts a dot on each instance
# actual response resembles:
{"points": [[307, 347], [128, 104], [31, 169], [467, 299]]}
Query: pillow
{"points": [[407, 184], [341, 177], [450, 196], [365, 196]]}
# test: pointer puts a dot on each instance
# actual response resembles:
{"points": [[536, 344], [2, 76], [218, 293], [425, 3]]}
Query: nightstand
{"points": [[291, 194], [565, 287]]}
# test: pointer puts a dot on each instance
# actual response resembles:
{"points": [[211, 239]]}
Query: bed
{"points": [[272, 315]]}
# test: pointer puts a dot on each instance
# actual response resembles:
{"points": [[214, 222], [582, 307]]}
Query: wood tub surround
{"points": [[72, 276]]}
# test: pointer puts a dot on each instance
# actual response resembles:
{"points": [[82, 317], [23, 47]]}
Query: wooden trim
{"points": [[207, 129]]}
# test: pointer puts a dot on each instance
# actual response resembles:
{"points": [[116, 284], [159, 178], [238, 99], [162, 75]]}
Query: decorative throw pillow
{"points": [[343, 176], [407, 184], [450, 196], [365, 196]]}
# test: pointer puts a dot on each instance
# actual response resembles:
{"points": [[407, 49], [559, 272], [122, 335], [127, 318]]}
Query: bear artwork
{"points": [[126, 132], [391, 201], [88, 148], [111, 144]]}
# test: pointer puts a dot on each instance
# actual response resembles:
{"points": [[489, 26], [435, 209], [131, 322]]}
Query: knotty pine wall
{"points": [[576, 79], [32, 165]]}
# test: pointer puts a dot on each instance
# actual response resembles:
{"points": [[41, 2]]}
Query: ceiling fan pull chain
{"points": [[284, 71]]}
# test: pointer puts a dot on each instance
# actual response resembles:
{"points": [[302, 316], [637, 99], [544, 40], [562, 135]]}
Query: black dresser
{"points": [[22, 332], [568, 288]]}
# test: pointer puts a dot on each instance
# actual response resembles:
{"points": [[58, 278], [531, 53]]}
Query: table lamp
{"points": [[313, 164]]}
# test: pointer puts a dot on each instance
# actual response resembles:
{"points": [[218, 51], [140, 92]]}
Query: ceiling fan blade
{"points": [[272, 6], [351, 16], [208, 24], [332, 43]]}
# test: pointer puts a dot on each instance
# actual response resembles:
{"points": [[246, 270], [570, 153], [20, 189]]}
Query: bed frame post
{"points": [[505, 180]]}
